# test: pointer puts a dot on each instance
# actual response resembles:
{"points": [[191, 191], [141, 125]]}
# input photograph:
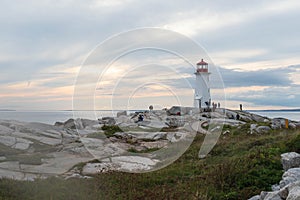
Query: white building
{"points": [[202, 97]]}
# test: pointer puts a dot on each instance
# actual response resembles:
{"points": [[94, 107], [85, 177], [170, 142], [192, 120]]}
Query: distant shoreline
{"points": [[7, 110], [11, 110], [273, 110]]}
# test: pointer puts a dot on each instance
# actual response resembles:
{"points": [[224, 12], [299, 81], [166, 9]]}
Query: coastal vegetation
{"points": [[239, 166]]}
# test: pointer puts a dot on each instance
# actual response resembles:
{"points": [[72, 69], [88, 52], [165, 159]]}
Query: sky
{"points": [[253, 46]]}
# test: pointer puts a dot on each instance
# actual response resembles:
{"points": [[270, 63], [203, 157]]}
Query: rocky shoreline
{"points": [[82, 147]]}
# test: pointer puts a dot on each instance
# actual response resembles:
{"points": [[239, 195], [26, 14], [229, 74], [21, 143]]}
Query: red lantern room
{"points": [[202, 66]]}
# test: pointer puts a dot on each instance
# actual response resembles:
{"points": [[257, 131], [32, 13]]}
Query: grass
{"points": [[240, 166], [109, 131]]}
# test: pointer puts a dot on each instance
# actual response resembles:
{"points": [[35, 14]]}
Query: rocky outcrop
{"points": [[175, 122], [78, 124], [289, 186], [290, 176], [120, 163], [263, 129], [107, 121], [120, 113], [290, 160], [36, 150], [180, 110]]}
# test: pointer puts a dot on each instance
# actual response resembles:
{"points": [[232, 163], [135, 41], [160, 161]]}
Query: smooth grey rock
{"points": [[290, 160], [262, 129], [272, 196], [297, 124], [70, 123], [2, 158], [79, 124], [277, 123], [256, 197], [59, 124], [292, 126], [175, 121], [120, 163], [154, 124], [4, 130], [156, 144], [97, 126], [120, 113], [294, 191], [230, 114], [132, 163], [263, 194], [275, 187], [87, 123], [279, 120], [16, 143], [22, 144], [96, 168], [7, 140], [175, 136], [197, 126], [179, 110], [253, 128], [159, 136], [257, 118], [245, 118], [107, 121], [290, 176]]}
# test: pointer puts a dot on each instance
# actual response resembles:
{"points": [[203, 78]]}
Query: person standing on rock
{"points": [[141, 118], [150, 110]]}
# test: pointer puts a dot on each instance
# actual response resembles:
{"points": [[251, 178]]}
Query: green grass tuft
{"points": [[110, 130]]}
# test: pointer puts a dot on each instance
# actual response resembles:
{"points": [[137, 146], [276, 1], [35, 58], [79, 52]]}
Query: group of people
{"points": [[215, 105]]}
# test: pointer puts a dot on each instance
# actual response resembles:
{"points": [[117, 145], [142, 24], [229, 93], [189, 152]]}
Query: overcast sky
{"points": [[254, 44]]}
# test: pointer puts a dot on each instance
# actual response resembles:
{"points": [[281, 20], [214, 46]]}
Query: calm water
{"points": [[50, 117], [293, 115]]}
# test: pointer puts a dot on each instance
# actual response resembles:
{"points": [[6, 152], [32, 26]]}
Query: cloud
{"points": [[273, 96], [268, 77], [42, 41]]}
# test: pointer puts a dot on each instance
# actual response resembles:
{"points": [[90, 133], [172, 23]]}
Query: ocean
{"points": [[50, 117], [292, 115]]}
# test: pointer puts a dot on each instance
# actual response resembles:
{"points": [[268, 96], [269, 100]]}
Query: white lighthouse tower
{"points": [[202, 97]]}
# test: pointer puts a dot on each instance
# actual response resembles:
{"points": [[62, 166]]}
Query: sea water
{"points": [[50, 117], [292, 115]]}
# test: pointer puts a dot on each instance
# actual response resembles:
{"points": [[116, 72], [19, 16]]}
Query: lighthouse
{"points": [[202, 97]]}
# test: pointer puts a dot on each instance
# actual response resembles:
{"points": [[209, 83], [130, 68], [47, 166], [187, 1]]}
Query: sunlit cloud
{"points": [[45, 43]]}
